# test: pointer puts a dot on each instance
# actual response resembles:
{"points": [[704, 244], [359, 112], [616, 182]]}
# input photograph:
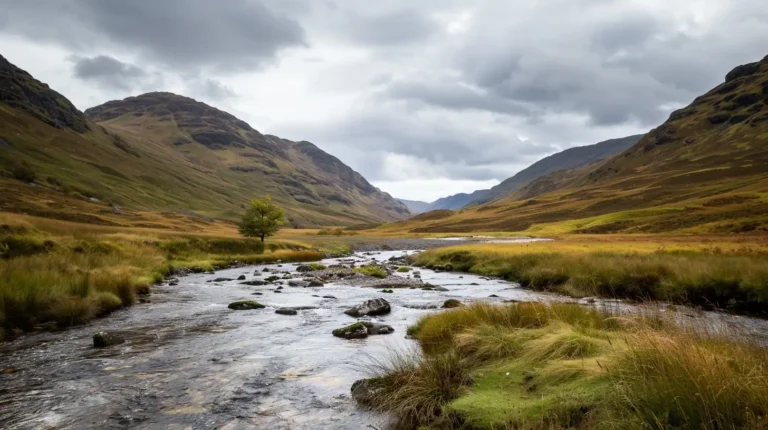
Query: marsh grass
{"points": [[737, 281], [535, 366], [68, 280], [373, 270]]}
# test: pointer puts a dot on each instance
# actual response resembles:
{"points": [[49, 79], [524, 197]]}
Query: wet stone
{"points": [[103, 339], [371, 308], [286, 312], [241, 278], [244, 305]]}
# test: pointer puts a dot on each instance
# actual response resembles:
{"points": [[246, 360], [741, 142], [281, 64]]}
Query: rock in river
{"points": [[286, 312], [254, 282], [103, 339], [241, 278], [452, 303], [362, 329], [370, 307], [244, 305], [222, 279]]}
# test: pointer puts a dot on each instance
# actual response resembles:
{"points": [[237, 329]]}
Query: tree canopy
{"points": [[263, 218]]}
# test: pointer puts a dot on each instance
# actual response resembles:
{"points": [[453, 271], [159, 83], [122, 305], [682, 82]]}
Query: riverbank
{"points": [[725, 274], [57, 274], [533, 365]]}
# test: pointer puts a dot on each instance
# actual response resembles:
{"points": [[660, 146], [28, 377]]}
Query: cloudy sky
{"points": [[424, 98]]}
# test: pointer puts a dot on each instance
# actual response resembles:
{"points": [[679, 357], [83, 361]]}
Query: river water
{"points": [[189, 362]]}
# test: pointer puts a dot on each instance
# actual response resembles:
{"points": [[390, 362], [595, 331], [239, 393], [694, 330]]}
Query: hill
{"points": [[567, 159], [704, 170], [163, 152]]}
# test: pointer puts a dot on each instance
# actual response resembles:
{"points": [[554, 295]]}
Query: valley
{"points": [[619, 284]]}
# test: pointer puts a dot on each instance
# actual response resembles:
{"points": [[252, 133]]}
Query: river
{"points": [[189, 362]]}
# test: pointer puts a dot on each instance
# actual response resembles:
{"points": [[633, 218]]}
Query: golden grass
{"points": [[67, 273], [732, 275]]}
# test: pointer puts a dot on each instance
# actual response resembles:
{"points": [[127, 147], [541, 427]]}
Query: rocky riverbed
{"points": [[188, 360]]}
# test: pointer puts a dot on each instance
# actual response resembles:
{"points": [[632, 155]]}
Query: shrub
{"points": [[23, 172], [106, 302]]}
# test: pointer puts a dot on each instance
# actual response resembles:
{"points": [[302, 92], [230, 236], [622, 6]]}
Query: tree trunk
{"points": [[262, 237]]}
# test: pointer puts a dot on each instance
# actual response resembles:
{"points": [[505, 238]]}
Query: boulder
{"points": [[357, 330], [272, 279], [223, 280], [452, 303], [374, 329], [316, 283], [286, 311], [303, 268], [330, 297], [173, 282], [103, 339], [362, 329], [241, 278], [370, 307], [244, 305], [298, 283]]}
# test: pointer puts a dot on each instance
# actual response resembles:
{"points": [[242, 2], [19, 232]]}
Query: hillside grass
{"points": [[558, 366], [728, 275], [54, 273]]}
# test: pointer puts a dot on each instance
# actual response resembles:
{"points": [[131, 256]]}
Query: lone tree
{"points": [[263, 218]]}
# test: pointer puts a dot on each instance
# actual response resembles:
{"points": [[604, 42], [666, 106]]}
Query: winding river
{"points": [[189, 362]]}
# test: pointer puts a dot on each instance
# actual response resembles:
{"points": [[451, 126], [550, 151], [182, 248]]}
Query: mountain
{"points": [[456, 201], [568, 159], [703, 170], [164, 152], [415, 206]]}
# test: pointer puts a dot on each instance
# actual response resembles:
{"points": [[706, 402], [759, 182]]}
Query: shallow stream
{"points": [[190, 362]]}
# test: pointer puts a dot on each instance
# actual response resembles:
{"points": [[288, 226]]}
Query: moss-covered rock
{"points": [[357, 330], [452, 303], [244, 305]]}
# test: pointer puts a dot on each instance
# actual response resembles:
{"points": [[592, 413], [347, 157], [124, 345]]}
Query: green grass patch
{"points": [[535, 366], [372, 270]]}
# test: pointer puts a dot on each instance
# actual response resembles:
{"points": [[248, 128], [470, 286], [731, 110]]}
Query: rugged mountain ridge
{"points": [[164, 152], [705, 169], [19, 90]]}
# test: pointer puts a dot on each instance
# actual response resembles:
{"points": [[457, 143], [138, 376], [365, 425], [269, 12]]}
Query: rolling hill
{"points": [[704, 170], [570, 158], [163, 152]]}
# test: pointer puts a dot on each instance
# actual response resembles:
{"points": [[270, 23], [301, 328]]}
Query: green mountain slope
{"points": [[163, 152], [704, 170], [568, 159]]}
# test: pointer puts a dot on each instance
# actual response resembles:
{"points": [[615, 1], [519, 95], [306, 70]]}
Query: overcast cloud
{"points": [[424, 98]]}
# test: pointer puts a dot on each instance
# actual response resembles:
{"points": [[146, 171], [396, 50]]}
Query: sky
{"points": [[425, 98]]}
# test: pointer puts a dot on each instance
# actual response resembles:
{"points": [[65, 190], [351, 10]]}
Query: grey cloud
{"points": [[454, 95], [108, 71], [211, 89], [227, 36], [390, 28]]}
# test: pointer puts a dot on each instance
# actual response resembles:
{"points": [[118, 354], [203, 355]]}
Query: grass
{"points": [[535, 366], [69, 276], [372, 270], [730, 278]]}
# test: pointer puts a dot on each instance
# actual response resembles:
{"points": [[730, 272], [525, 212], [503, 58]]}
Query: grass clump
{"points": [[317, 266], [533, 366], [736, 281], [403, 269], [373, 270]]}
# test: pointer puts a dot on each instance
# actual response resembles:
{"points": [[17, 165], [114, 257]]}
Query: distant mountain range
{"points": [[568, 159], [164, 152]]}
